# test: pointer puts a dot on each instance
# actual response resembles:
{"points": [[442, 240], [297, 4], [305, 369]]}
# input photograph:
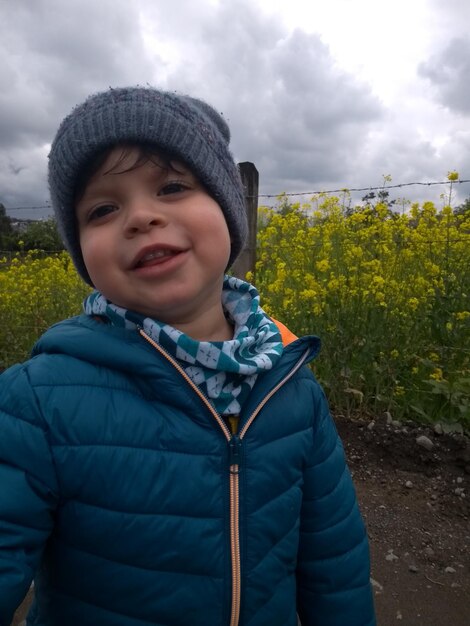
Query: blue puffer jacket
{"points": [[128, 500]]}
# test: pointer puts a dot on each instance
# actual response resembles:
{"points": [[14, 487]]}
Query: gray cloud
{"points": [[53, 56], [449, 72], [291, 110], [302, 120]]}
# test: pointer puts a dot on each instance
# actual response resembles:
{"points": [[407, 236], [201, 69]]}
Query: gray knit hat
{"points": [[187, 128]]}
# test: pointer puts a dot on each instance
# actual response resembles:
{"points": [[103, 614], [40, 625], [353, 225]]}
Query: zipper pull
{"points": [[235, 454]]}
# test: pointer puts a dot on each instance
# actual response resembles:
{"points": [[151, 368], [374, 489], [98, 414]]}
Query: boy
{"points": [[164, 458]]}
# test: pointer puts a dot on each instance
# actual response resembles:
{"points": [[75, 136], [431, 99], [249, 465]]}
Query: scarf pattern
{"points": [[225, 371]]}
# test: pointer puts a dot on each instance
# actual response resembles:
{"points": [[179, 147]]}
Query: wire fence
{"points": [[289, 194], [367, 189]]}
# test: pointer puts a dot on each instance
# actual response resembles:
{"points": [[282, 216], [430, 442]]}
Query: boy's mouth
{"points": [[154, 256]]}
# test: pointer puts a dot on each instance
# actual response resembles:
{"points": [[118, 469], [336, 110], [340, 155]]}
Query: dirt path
{"points": [[416, 503]]}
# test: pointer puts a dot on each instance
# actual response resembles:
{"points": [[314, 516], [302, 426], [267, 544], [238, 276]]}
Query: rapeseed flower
{"points": [[384, 292]]}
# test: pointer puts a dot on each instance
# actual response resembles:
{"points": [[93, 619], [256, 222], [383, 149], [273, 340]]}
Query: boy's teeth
{"points": [[157, 254]]}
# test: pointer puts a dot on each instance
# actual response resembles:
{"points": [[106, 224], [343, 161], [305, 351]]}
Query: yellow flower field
{"points": [[388, 294], [36, 291]]}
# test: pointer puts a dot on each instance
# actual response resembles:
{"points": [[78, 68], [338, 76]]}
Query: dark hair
{"points": [[145, 153]]}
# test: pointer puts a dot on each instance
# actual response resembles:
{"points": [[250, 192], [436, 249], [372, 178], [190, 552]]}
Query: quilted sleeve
{"points": [[28, 489], [333, 573]]}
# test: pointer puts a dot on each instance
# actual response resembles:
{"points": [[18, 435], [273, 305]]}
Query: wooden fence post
{"points": [[246, 262]]}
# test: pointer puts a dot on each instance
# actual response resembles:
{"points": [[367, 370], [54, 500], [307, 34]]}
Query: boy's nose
{"points": [[142, 217]]}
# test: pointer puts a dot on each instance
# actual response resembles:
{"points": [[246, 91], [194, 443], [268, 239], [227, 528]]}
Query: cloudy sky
{"points": [[319, 95]]}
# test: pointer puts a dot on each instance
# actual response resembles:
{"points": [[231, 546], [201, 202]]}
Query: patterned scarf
{"points": [[225, 371]]}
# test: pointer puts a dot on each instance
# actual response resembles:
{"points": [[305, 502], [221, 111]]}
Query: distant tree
{"points": [[382, 196], [40, 235], [7, 234], [463, 208], [284, 206], [372, 199]]}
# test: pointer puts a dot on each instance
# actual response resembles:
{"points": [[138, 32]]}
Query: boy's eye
{"points": [[101, 211], [173, 187]]}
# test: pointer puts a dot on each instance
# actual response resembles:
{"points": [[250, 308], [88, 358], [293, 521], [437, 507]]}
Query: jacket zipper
{"points": [[234, 442]]}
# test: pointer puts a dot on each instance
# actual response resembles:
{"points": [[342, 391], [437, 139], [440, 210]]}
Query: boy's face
{"points": [[153, 240]]}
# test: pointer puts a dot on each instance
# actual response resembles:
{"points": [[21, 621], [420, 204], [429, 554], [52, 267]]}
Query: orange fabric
{"points": [[286, 335]]}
